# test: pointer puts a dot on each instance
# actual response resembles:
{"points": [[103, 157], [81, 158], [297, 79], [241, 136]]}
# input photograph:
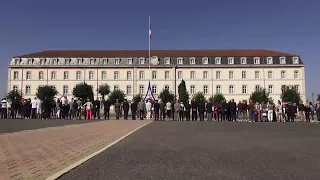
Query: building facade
{"points": [[234, 73]]}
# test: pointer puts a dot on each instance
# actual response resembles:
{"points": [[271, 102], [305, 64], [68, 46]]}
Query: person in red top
{"points": [[216, 111], [240, 110]]}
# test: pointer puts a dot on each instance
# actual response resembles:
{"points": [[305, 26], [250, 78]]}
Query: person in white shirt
{"points": [[39, 109], [4, 103], [34, 105], [169, 110], [148, 108]]}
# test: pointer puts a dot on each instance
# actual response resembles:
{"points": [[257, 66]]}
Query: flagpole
{"points": [[149, 48]]}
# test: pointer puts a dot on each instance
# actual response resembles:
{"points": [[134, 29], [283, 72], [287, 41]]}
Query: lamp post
{"points": [[175, 82]]}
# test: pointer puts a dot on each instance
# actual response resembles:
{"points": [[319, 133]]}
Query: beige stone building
{"points": [[234, 73]]}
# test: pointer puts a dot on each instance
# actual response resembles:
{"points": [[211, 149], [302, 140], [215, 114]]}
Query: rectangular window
{"points": [[205, 89], [218, 89], [192, 75], [179, 75], [269, 74], [104, 75], [231, 89], [244, 74], [129, 75], [218, 75], [192, 89], [141, 89], [141, 75], [231, 75], [257, 75], [154, 75], [129, 90], [65, 75], [28, 90], [116, 75], [205, 75], [166, 75]]}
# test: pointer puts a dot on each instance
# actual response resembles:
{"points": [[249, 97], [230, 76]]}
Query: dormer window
{"points": [[256, 60], [92, 61], [269, 60], [167, 60], [67, 61], [243, 60], [117, 61], [42, 61], [129, 60], [282, 60], [180, 60], [192, 60], [54, 61], [218, 60], [79, 61], [104, 61], [205, 60], [230, 60], [17, 61], [295, 60], [30, 61], [141, 61]]}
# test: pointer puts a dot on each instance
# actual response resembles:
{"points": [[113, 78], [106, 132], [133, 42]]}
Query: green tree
{"points": [[14, 94], [116, 95], [137, 98], [46, 91], [166, 96], [199, 97], [218, 98], [290, 94], [104, 90], [260, 95], [83, 91], [183, 93]]}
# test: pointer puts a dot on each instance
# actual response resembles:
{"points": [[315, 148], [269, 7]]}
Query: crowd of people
{"points": [[75, 108]]}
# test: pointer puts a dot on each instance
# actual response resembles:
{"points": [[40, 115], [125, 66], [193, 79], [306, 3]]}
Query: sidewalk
{"points": [[37, 154]]}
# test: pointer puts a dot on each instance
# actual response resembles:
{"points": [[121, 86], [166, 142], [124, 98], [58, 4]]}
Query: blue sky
{"points": [[283, 25]]}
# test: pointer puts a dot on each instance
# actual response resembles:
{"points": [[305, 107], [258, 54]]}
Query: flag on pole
{"points": [[150, 35]]}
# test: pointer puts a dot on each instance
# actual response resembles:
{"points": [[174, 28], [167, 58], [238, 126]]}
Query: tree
{"points": [[116, 95], [104, 90], [137, 98], [260, 95], [14, 94], [166, 96], [290, 94], [183, 93], [199, 97], [318, 98], [46, 91], [218, 98], [83, 91]]}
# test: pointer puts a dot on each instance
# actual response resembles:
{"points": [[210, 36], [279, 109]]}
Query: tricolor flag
{"points": [[150, 35]]}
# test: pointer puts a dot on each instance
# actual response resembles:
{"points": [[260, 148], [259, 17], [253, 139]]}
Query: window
{"points": [[295, 60], [30, 61], [218, 89], [230, 60], [42, 62], [154, 75], [141, 89], [205, 60], [141, 75], [243, 60], [129, 90], [205, 75], [205, 89], [192, 60], [217, 60], [179, 75], [92, 61], [116, 75], [231, 89], [257, 75], [257, 87], [166, 87], [115, 87], [53, 75], [270, 89], [180, 61], [79, 61], [167, 60], [283, 74], [15, 88], [244, 89], [166, 75], [105, 61], [230, 74], [192, 75], [129, 61], [28, 75], [117, 61], [243, 74], [28, 90], [41, 75], [256, 60], [91, 75], [154, 89], [141, 61], [78, 75], [65, 75], [269, 60], [269, 74], [218, 75], [192, 89], [15, 75], [129, 75], [282, 60], [65, 90], [104, 75], [296, 87], [296, 74]]}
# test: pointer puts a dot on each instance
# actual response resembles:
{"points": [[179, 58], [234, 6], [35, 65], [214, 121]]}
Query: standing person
{"points": [[307, 111], [240, 110], [169, 110], [156, 107], [201, 110], [126, 107], [182, 111], [233, 110], [148, 108], [295, 108], [15, 107], [141, 109], [224, 110], [245, 110], [279, 111], [34, 105], [162, 111], [133, 110], [176, 108], [79, 109], [270, 111], [58, 109], [96, 109], [301, 110], [72, 109], [217, 112], [46, 108], [65, 110], [209, 108], [312, 110], [106, 109], [187, 107], [290, 112], [317, 108], [194, 107], [4, 104], [88, 107], [117, 109], [39, 109], [28, 109], [284, 111]]}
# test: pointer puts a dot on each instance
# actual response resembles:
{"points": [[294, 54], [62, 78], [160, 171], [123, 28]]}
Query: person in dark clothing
{"points": [[162, 111], [156, 108], [224, 110], [125, 107], [201, 109], [295, 109], [290, 112], [46, 107], [96, 109], [106, 108], [187, 107], [194, 108], [14, 107], [232, 110], [307, 112], [28, 109], [133, 110], [209, 108]]}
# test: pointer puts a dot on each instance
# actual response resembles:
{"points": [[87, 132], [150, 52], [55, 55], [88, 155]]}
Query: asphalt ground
{"points": [[15, 125], [210, 150]]}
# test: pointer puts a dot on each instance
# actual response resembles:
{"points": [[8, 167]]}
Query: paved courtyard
{"points": [[210, 150]]}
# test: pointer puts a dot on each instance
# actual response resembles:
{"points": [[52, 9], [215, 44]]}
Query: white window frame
{"points": [[117, 61], [28, 90], [116, 75], [231, 74], [129, 75], [269, 60], [243, 60], [65, 89], [231, 89], [154, 75], [192, 60], [167, 87], [154, 89], [167, 61], [230, 60], [282, 60], [92, 61], [105, 61], [129, 61], [256, 74], [244, 89], [257, 87], [141, 75], [218, 89], [295, 60], [141, 61], [244, 75], [283, 74], [15, 88], [78, 75], [217, 60], [205, 89], [180, 75], [65, 75], [28, 75], [16, 75], [192, 75], [270, 89], [167, 75], [91, 75], [205, 75], [205, 60], [192, 89], [104, 75], [270, 73], [141, 89], [180, 60], [296, 74], [256, 60], [79, 61], [218, 74], [128, 90], [41, 75]]}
